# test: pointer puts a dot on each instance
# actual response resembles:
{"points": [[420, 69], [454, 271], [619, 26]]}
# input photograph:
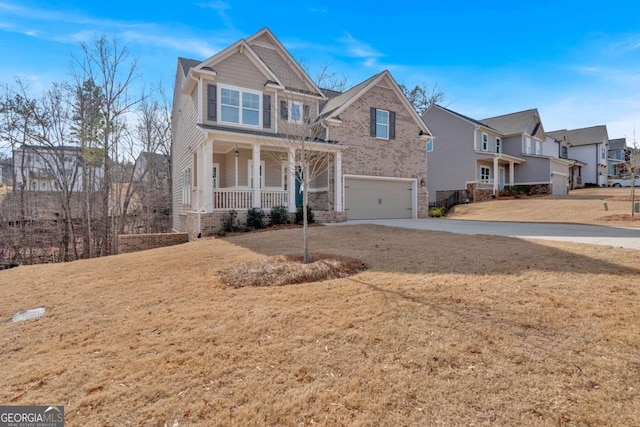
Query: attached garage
{"points": [[379, 197], [559, 184]]}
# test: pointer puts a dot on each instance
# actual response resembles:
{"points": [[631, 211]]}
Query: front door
{"points": [[501, 178], [299, 178]]}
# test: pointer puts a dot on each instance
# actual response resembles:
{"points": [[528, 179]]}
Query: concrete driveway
{"points": [[593, 234]]}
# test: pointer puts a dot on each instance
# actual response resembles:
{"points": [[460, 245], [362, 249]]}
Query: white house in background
{"points": [[44, 168], [589, 146]]}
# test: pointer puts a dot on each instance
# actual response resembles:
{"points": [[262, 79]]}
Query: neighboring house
{"points": [[484, 156], [235, 117], [151, 181], [557, 144], [618, 158], [43, 168], [589, 146], [6, 167]]}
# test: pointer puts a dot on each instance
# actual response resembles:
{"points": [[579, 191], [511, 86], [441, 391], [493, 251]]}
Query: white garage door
{"points": [[367, 198], [559, 183]]}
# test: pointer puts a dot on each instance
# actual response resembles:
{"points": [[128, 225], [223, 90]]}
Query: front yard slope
{"points": [[440, 329]]}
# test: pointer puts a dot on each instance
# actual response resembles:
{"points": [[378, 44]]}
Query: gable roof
{"points": [[187, 64], [618, 144], [334, 106], [265, 37], [462, 116], [513, 123], [559, 135], [587, 136]]}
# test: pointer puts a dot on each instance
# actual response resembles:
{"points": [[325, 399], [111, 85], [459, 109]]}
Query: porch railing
{"points": [[485, 185], [224, 199], [232, 199], [271, 198]]}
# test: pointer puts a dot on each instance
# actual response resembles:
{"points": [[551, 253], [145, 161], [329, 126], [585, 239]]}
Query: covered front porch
{"points": [[243, 173], [493, 173]]}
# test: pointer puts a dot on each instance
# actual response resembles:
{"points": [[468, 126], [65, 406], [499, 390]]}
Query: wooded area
{"points": [[89, 159]]}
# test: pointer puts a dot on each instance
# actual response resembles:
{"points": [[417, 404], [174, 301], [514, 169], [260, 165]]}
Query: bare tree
{"points": [[422, 97], [109, 65], [305, 141]]}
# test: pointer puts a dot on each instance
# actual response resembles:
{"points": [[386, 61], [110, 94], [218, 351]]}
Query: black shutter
{"points": [[392, 125], [212, 97], [266, 111], [305, 113], [284, 110], [372, 123]]}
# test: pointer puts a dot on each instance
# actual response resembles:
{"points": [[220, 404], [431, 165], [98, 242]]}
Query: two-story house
{"points": [[557, 144], [618, 158], [243, 119], [589, 146], [484, 156], [52, 168]]}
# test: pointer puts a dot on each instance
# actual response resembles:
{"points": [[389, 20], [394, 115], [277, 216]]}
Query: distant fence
{"points": [[447, 199]]}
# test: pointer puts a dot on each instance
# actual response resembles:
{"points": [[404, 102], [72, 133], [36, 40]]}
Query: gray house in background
{"points": [[484, 156]]}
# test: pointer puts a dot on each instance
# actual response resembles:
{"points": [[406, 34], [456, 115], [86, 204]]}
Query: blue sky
{"points": [[577, 62]]}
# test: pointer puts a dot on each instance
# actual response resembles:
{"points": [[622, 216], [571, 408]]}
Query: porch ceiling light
{"points": [[236, 152]]}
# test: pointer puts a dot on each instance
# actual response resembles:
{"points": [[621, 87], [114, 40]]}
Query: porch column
{"points": [[207, 177], [337, 185], [257, 202], [291, 179], [496, 175], [511, 173]]}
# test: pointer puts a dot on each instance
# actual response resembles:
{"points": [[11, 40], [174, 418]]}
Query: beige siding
{"points": [[185, 134], [280, 67], [238, 70]]}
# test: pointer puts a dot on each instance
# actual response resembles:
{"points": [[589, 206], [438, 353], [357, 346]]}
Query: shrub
{"points": [[279, 215], [437, 212], [516, 190], [228, 222], [299, 215], [255, 219]]}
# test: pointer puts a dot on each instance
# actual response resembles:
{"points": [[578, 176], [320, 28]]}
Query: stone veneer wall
{"points": [[140, 242]]}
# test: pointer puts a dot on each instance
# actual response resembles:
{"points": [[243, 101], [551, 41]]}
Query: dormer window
{"points": [[240, 106]]}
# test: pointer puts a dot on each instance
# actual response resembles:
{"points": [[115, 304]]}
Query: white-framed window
{"points": [[240, 106], [498, 145], [215, 175], [296, 112], [429, 145], [186, 186], [603, 153], [484, 143], [382, 124], [538, 146], [528, 149], [564, 152], [485, 174], [250, 169]]}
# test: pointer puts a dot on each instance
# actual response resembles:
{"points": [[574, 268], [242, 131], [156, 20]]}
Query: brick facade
{"points": [[402, 157], [141, 242]]}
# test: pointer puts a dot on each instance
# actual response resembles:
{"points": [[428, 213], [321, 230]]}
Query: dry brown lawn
{"points": [[441, 329], [583, 206]]}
